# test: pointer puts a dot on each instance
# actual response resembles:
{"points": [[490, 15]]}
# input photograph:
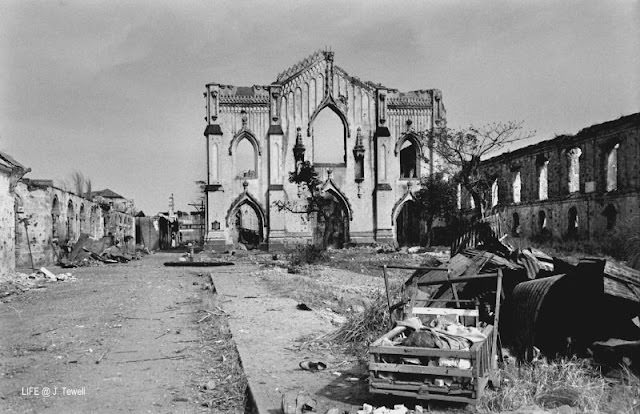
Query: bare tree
{"points": [[78, 184], [463, 149], [317, 203]]}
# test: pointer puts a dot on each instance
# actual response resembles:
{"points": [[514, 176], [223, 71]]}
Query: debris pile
{"points": [[23, 282], [90, 252]]}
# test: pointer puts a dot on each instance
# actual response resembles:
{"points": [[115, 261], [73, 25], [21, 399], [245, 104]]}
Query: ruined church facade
{"points": [[366, 141]]}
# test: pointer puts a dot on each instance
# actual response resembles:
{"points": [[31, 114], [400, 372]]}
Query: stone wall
{"points": [[7, 227], [593, 182], [57, 216]]}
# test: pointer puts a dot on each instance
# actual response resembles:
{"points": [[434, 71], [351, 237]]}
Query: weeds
{"points": [[303, 255], [572, 382]]}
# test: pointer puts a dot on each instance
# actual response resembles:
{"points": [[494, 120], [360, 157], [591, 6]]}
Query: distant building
{"points": [[365, 140], [572, 186]]}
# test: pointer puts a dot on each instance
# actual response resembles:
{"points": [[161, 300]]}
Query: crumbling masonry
{"points": [[572, 186], [365, 140]]}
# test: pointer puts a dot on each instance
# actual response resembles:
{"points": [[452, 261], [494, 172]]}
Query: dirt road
{"points": [[136, 337]]}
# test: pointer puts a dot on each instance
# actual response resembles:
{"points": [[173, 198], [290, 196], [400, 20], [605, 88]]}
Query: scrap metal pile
{"points": [[588, 307]]}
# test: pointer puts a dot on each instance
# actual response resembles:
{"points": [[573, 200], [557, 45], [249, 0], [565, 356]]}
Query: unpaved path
{"points": [[122, 338]]}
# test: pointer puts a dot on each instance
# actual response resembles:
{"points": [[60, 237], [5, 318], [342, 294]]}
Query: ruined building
{"points": [[35, 216], [365, 140], [573, 186]]}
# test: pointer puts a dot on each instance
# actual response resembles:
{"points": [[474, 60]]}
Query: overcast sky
{"points": [[114, 88]]}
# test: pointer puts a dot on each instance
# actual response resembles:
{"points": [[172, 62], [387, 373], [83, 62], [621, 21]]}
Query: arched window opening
{"points": [[573, 158], [328, 138], [472, 202], [71, 217], [516, 187], [515, 228], [542, 221], [246, 159], [408, 160], [611, 215], [612, 168], [494, 193], [459, 196], [543, 193], [572, 225]]}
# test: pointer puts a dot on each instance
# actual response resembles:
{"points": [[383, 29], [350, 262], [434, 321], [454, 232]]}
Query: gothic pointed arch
{"points": [[250, 136], [397, 207], [410, 136], [247, 198], [330, 187], [329, 102]]}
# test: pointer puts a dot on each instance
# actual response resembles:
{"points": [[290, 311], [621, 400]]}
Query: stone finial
{"points": [[358, 149], [409, 122], [245, 184], [329, 173]]}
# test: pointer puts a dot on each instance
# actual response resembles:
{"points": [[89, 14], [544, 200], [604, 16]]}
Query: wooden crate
{"points": [[417, 381]]}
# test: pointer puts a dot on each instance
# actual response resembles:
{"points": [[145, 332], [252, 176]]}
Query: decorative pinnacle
{"points": [[243, 113], [245, 184]]}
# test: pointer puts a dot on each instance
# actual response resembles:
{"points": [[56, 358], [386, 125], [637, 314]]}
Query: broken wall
{"points": [[75, 215], [590, 192], [7, 227]]}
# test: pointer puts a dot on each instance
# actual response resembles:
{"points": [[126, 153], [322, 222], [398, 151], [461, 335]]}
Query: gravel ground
{"points": [[136, 337]]}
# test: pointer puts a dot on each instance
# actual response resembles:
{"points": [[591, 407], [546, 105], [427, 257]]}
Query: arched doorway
{"points": [[332, 226], [71, 218], [83, 219], [55, 218], [246, 226], [408, 225]]}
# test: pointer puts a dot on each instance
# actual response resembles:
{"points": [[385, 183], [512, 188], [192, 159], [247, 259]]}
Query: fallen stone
{"points": [[48, 273]]}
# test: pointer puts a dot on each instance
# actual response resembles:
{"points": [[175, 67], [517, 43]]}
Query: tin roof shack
{"points": [[10, 172]]}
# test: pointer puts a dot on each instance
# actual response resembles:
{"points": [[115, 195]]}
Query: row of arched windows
{"points": [[573, 181], [610, 213], [329, 137]]}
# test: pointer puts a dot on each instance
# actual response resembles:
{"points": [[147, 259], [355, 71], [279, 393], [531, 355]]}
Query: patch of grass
{"points": [[573, 382], [305, 255]]}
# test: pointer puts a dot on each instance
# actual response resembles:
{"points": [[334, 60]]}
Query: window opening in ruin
{"points": [[459, 196], [573, 158], [246, 159], [408, 160], [408, 225], [515, 230], [572, 226], [611, 214], [55, 218], [516, 187], [543, 180], [542, 221], [612, 168], [83, 219], [494, 193], [328, 138], [472, 202], [70, 221]]}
